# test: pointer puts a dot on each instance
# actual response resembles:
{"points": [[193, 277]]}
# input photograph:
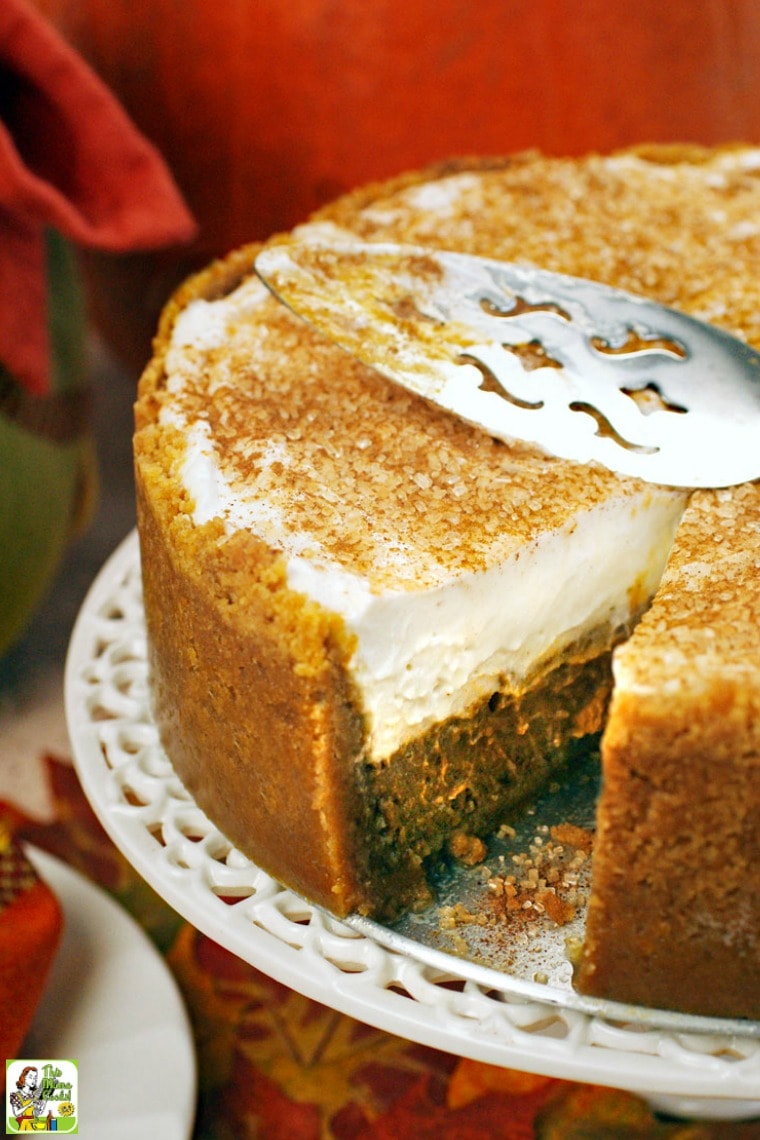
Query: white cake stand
{"points": [[684, 1065]]}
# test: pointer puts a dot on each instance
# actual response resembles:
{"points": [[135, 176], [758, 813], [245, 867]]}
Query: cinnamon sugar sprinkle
{"points": [[398, 491], [547, 883], [372, 476]]}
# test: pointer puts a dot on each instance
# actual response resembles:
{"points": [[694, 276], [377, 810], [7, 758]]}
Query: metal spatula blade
{"points": [[584, 371]]}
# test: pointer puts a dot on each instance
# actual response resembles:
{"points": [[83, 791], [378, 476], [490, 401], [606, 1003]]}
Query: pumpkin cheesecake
{"points": [[373, 629]]}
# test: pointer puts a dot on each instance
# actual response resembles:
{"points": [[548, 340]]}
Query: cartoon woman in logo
{"points": [[27, 1103]]}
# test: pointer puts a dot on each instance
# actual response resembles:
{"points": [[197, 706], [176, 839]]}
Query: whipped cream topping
{"points": [[423, 657]]}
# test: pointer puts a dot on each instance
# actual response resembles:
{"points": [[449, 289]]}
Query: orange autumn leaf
{"points": [[589, 1112], [473, 1079], [260, 1108], [77, 837], [216, 1008], [11, 821]]}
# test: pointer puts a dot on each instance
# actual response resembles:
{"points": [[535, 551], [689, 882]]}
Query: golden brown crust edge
{"points": [[672, 918], [349, 204], [674, 913], [230, 644]]}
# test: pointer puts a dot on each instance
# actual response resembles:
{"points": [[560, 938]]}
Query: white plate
{"points": [[709, 1068], [112, 1005]]}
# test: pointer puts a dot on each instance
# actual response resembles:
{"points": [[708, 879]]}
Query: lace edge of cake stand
{"points": [[155, 823]]}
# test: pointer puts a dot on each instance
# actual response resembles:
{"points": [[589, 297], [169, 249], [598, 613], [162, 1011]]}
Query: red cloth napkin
{"points": [[31, 923], [70, 158]]}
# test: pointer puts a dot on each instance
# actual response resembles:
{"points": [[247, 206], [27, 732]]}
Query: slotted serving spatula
{"points": [[584, 371]]}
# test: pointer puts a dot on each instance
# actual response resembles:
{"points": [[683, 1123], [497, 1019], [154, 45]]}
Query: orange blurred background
{"points": [[265, 109]]}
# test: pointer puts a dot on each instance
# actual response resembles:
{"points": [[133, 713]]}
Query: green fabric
{"points": [[39, 484], [66, 316], [41, 481]]}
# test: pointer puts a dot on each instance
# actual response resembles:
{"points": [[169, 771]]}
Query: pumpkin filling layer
{"points": [[436, 794]]}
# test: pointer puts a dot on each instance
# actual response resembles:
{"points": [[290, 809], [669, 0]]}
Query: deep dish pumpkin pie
{"points": [[373, 629]]}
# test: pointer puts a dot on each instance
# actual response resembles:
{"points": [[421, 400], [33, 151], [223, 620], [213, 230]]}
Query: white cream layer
{"points": [[425, 655]]}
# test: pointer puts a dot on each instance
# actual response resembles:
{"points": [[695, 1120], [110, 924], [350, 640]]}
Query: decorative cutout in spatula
{"points": [[584, 371]]}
